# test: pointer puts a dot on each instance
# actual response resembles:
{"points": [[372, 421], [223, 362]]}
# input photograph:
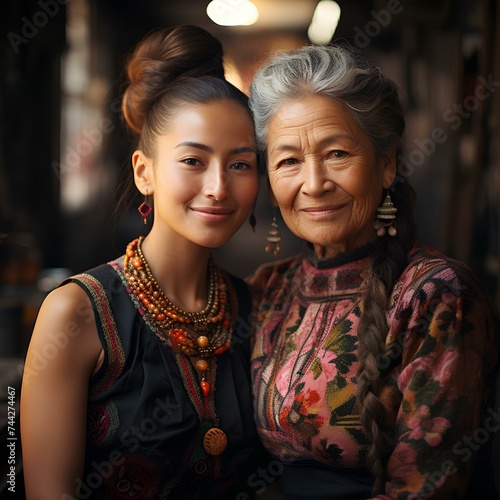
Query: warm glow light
{"points": [[232, 76], [324, 22], [232, 12]]}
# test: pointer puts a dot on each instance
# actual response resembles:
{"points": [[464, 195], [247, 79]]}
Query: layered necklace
{"points": [[204, 334]]}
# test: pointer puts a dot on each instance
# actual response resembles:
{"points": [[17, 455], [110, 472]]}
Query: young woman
{"points": [[143, 395]]}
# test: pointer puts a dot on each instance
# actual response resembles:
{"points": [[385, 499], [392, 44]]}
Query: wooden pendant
{"points": [[215, 441]]}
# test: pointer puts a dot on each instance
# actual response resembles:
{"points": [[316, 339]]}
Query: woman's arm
{"points": [[449, 355], [63, 353]]}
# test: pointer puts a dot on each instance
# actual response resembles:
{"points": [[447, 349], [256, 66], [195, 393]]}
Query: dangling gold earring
{"points": [[273, 237], [386, 215], [145, 208]]}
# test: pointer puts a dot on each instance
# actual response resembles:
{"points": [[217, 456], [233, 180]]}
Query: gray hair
{"points": [[339, 74]]}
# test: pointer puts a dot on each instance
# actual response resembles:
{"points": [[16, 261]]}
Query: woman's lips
{"points": [[323, 212], [213, 214]]}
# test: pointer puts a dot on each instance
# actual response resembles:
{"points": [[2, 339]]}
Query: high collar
{"points": [[343, 274], [341, 258]]}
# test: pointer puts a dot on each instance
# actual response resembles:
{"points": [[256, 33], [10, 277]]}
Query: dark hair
{"points": [[342, 75], [169, 68]]}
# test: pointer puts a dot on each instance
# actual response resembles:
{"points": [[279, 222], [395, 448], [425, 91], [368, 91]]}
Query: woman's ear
{"points": [[389, 170], [143, 172]]}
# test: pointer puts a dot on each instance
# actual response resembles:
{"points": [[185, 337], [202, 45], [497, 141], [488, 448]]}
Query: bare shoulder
{"points": [[65, 332], [68, 301], [63, 353]]}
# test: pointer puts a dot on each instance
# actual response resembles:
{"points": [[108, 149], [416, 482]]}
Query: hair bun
{"points": [[159, 59]]}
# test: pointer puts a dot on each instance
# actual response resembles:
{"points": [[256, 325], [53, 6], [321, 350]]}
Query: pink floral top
{"points": [[439, 372]]}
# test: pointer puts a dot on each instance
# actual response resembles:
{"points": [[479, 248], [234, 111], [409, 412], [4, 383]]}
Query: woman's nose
{"points": [[216, 184], [316, 180]]}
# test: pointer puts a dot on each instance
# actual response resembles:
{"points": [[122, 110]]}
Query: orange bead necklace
{"points": [[213, 324]]}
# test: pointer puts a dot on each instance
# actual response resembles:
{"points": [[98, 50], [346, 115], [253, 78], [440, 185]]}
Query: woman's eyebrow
{"points": [[321, 143], [204, 147], [193, 144]]}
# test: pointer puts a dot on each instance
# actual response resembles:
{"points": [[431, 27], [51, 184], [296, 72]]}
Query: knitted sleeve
{"points": [[449, 354]]}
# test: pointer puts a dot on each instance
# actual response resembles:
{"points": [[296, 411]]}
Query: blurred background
{"points": [[63, 147]]}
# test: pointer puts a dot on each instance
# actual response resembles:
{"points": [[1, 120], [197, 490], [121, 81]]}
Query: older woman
{"points": [[375, 358]]}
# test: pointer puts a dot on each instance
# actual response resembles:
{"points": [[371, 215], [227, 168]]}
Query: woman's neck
{"points": [[180, 268]]}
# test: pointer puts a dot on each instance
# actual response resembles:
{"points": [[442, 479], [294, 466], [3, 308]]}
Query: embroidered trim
{"points": [[102, 423], [114, 348], [205, 409], [117, 265]]}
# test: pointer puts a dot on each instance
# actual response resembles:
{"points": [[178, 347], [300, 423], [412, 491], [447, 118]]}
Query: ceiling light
{"points": [[324, 22], [232, 12]]}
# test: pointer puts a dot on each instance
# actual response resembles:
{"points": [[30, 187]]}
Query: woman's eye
{"points": [[191, 161], [240, 166], [288, 162], [338, 154]]}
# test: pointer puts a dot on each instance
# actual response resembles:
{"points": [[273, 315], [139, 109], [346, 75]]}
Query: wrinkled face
{"points": [[324, 174], [205, 178]]}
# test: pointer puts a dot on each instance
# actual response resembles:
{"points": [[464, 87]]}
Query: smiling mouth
{"points": [[213, 214], [213, 210], [322, 211]]}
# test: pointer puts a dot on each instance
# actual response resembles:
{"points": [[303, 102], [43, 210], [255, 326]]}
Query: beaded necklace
{"points": [[213, 324]]}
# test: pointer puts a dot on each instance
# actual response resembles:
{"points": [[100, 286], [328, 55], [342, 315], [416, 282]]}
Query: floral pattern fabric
{"points": [[438, 372]]}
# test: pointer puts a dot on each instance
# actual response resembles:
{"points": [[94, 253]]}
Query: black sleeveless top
{"points": [[146, 414]]}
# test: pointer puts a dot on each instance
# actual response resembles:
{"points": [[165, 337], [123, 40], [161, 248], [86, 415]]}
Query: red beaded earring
{"points": [[145, 208]]}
